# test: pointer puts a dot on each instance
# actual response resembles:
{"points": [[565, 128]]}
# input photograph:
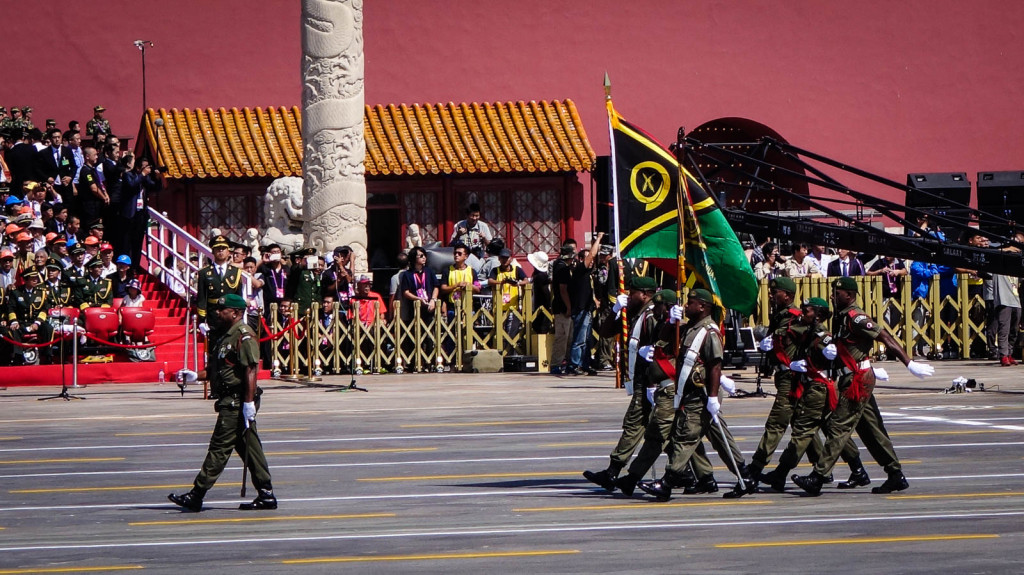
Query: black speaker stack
{"points": [[938, 193], [1001, 194]]}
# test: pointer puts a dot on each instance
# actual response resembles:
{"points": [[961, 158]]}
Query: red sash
{"points": [[858, 390], [663, 362]]}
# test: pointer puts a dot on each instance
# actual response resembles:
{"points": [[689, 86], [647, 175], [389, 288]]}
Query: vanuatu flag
{"points": [[649, 188], [645, 181]]}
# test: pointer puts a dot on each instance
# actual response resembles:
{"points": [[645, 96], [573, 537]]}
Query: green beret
{"points": [[666, 296], [231, 301], [845, 283], [816, 302], [643, 283], [702, 294], [785, 284]]}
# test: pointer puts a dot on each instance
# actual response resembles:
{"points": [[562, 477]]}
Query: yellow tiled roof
{"points": [[509, 137]]}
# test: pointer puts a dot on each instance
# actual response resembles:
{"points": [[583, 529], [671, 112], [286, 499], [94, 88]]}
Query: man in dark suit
{"points": [[56, 164], [846, 265], [134, 212], [114, 168], [20, 160]]}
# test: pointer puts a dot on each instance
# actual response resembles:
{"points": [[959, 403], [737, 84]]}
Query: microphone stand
{"points": [[63, 373]]}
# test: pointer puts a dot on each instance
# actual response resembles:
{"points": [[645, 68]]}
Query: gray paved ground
{"points": [[469, 474]]}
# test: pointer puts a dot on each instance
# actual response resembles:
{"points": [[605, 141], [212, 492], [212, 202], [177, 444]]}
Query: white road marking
{"points": [[488, 530], [950, 420]]}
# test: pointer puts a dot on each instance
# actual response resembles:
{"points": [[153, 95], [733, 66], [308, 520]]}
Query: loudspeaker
{"points": [[948, 189], [1002, 195]]}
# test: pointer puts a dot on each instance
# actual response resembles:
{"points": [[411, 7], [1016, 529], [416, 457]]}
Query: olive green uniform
{"points": [[211, 285], [97, 292], [75, 279], [28, 308], [857, 410], [812, 408], [786, 332], [236, 351], [693, 422], [304, 289], [639, 411], [97, 126]]}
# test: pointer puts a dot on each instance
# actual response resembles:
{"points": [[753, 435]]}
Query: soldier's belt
{"points": [[666, 383], [864, 364]]}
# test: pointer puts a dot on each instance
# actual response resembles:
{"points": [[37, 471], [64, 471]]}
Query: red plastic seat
{"points": [[101, 322], [137, 323], [70, 314], [117, 302]]}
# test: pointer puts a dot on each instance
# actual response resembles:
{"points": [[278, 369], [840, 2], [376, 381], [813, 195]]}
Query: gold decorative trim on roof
{"points": [[510, 137]]}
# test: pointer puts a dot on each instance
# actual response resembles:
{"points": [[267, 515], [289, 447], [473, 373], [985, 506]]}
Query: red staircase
{"points": [[170, 313]]}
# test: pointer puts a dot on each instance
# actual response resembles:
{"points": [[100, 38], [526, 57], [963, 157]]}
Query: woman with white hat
{"points": [[541, 291]]}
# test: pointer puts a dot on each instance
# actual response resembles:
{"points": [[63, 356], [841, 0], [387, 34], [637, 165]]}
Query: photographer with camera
{"points": [[133, 212]]}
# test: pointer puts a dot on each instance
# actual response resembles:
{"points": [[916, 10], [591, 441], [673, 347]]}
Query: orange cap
{"points": [[12, 229], [51, 236], [5, 254], [91, 241], [24, 237], [25, 210]]}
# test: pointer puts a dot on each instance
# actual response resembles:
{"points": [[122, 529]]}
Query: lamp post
{"points": [[141, 45]]}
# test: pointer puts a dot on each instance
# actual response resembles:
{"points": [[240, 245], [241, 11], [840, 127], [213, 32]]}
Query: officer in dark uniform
{"points": [[855, 335], [639, 309], [60, 291], [28, 309], [98, 124], [75, 275], [303, 285], [97, 291], [216, 279], [5, 346], [234, 383], [700, 368]]}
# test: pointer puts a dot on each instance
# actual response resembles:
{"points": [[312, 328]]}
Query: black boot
{"points": [[776, 479], [706, 484], [810, 483], [605, 479], [859, 478], [753, 476], [264, 500], [627, 484], [895, 482], [659, 489], [192, 501]]}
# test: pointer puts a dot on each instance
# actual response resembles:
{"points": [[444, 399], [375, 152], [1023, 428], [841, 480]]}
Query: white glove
{"points": [[881, 374], [203, 328], [714, 407], [799, 366], [830, 351], [646, 352], [767, 344], [187, 375], [248, 412], [675, 315], [621, 302], [727, 384], [650, 394], [920, 369]]}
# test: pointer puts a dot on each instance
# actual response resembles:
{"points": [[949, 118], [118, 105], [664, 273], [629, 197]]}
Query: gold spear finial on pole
{"points": [[607, 87]]}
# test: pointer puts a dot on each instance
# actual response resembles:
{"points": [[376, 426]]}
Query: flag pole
{"points": [[681, 256], [620, 345]]}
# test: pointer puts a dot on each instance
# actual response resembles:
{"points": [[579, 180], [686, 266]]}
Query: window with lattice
{"points": [[421, 209], [228, 213], [536, 217]]}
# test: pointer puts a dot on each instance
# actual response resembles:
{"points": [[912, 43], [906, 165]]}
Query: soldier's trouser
{"points": [[846, 418], [659, 428], [808, 416], [691, 425], [779, 418], [633, 425], [230, 435]]}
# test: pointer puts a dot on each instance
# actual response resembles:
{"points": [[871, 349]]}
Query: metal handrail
{"points": [[165, 238]]}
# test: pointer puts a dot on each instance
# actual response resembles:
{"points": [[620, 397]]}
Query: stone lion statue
{"points": [[282, 214]]}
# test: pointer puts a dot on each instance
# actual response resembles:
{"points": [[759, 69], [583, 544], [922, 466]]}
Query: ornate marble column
{"points": [[333, 190]]}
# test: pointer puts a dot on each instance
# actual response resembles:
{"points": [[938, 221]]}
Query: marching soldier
{"points": [[97, 291], [233, 381], [814, 396], [661, 388], [640, 309], [303, 285], [700, 372], [216, 279], [28, 310], [856, 408]]}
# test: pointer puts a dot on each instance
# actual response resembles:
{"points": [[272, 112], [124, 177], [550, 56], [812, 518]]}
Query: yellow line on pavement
{"points": [[260, 519], [580, 444], [432, 557], [951, 432], [856, 541], [203, 432], [959, 495], [70, 460], [486, 423], [342, 451], [638, 503], [10, 438], [121, 488], [474, 476], [72, 569]]}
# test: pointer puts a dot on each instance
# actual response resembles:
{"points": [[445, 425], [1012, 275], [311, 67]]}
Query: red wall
{"points": [[892, 87]]}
